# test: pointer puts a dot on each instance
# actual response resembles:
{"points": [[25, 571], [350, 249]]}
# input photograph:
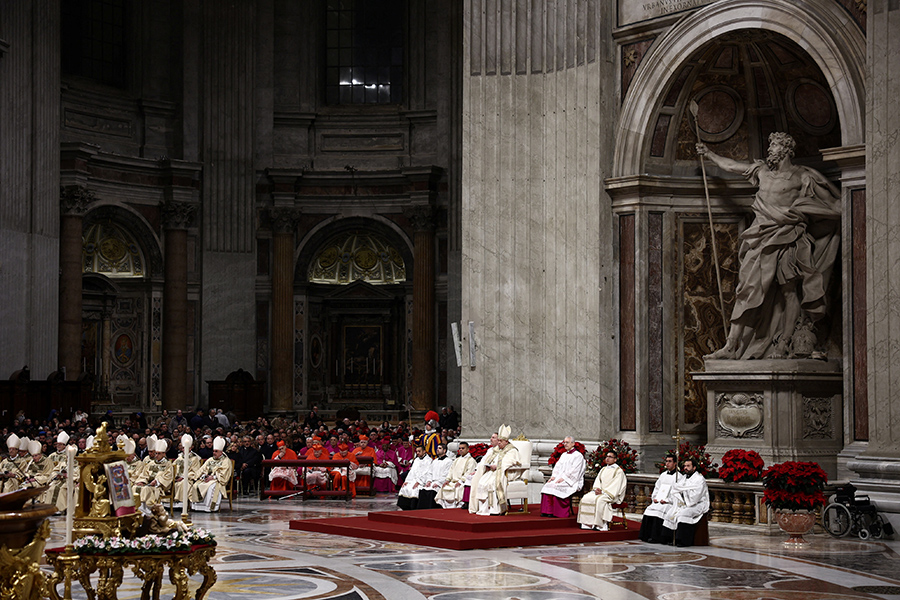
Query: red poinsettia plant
{"points": [[703, 462], [795, 485], [560, 450], [476, 451], [627, 456], [741, 465]]}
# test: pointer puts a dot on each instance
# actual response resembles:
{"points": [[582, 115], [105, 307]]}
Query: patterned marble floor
{"points": [[259, 558]]}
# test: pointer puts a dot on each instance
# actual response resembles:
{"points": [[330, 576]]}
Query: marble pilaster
{"points": [[423, 333], [878, 467], [73, 204], [177, 217], [283, 223]]}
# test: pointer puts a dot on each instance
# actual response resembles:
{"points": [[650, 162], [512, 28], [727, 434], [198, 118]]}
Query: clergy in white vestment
{"points": [[692, 503], [566, 479], [440, 471], [489, 494], [194, 465], [662, 499], [212, 482], [472, 482], [595, 511], [419, 473], [461, 470], [155, 477], [56, 494]]}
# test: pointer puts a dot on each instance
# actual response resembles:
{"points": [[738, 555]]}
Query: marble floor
{"points": [[258, 558]]}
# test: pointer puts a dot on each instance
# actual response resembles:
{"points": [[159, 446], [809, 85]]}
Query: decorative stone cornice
{"points": [[422, 218], [284, 218], [74, 200], [177, 215]]}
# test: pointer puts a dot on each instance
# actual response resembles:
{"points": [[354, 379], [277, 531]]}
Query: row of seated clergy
{"points": [[286, 478], [678, 504], [154, 477], [26, 466]]}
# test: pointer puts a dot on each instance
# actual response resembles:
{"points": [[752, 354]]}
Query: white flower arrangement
{"points": [[148, 544]]}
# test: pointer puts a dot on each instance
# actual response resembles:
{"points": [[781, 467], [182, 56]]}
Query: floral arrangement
{"points": [[147, 544], [476, 451], [627, 456], [698, 455], [794, 485], [741, 465], [560, 450]]}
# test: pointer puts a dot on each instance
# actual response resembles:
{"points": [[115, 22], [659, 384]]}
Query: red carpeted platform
{"points": [[456, 529]]}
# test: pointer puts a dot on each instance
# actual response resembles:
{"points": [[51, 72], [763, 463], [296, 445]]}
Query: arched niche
{"points": [[826, 33]]}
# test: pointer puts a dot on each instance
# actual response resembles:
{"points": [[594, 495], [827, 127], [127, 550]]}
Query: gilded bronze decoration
{"points": [[357, 257], [112, 251]]}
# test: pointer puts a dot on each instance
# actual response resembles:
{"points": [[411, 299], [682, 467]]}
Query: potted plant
{"points": [[741, 465], [627, 457], [794, 490]]}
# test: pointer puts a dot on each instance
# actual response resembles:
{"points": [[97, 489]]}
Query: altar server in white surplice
{"points": [[463, 467], [566, 479], [415, 480], [440, 471], [692, 503], [663, 499], [595, 511], [489, 495]]}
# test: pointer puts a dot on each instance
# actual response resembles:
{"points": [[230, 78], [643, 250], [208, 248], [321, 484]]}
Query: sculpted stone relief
{"points": [[740, 415]]}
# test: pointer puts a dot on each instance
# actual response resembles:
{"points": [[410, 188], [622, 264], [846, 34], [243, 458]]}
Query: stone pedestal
{"points": [[783, 409]]}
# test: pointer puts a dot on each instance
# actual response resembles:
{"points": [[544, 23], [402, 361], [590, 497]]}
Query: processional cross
{"points": [[678, 437]]}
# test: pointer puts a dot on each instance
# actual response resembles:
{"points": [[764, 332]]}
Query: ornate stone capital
{"points": [[177, 215], [74, 199], [422, 218], [284, 218]]}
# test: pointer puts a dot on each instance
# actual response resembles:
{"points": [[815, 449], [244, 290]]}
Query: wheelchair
{"points": [[851, 514]]}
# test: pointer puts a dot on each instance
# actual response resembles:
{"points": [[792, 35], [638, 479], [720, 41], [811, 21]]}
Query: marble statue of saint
{"points": [[786, 256]]}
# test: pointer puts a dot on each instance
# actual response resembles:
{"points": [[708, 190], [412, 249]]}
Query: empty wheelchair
{"points": [[849, 514]]}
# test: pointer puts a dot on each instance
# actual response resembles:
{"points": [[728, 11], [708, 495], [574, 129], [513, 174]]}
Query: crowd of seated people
{"points": [[154, 444]]}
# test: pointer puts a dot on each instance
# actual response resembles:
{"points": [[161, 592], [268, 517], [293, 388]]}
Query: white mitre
{"points": [[504, 432], [219, 443], [62, 438]]}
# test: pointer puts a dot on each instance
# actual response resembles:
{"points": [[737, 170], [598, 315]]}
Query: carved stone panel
{"points": [[740, 415], [817, 418]]}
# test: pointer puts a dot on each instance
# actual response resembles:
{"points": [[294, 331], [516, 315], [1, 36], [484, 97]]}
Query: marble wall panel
{"points": [[535, 248], [703, 330]]}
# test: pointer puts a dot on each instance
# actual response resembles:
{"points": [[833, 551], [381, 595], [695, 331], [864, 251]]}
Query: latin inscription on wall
{"points": [[634, 11]]}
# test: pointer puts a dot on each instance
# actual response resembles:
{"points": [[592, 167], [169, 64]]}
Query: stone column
{"points": [[177, 217], [422, 219], [878, 467], [283, 223], [73, 205]]}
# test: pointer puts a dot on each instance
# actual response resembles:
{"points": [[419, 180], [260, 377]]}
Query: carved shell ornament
{"points": [[740, 414]]}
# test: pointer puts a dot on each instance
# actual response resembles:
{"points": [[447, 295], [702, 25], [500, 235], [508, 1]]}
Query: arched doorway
{"points": [[121, 317], [353, 297]]}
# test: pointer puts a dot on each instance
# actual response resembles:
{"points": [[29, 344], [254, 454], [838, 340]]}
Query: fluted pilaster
{"points": [[422, 220], [74, 201], [283, 223], [177, 217]]}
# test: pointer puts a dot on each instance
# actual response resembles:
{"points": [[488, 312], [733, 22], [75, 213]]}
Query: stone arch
{"points": [[137, 225], [829, 36], [328, 228]]}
